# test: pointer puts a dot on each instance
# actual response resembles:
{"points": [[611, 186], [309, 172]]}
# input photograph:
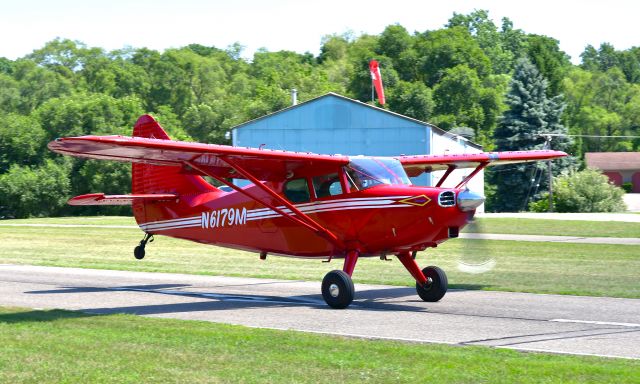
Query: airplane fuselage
{"points": [[384, 219]]}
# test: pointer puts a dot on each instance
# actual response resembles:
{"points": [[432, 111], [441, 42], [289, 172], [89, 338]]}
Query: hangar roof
{"points": [[435, 129]]}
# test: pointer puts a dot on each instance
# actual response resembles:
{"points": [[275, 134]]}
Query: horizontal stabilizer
{"points": [[102, 199]]}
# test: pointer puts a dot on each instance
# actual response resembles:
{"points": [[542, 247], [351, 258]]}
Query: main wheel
{"points": [[436, 285], [337, 289], [138, 252]]}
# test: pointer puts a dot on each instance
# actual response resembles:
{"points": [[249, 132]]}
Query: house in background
{"points": [[335, 124], [620, 167]]}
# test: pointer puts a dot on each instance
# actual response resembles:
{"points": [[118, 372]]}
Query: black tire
{"points": [[436, 285], [337, 289], [138, 252]]}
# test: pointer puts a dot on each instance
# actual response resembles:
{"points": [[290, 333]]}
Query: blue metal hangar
{"points": [[335, 124]]}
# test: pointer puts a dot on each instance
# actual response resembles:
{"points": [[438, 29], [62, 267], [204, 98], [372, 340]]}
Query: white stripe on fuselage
{"points": [[268, 213], [319, 210], [322, 207]]}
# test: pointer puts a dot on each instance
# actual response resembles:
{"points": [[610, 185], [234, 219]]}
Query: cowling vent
{"points": [[447, 199]]}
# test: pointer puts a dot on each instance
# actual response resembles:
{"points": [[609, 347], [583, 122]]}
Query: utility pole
{"points": [[550, 187], [547, 145]]}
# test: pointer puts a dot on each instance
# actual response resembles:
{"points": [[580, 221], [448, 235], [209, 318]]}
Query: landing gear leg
{"points": [[138, 252], [431, 282], [337, 287]]}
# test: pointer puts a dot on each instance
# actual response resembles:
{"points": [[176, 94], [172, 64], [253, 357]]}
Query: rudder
{"points": [[155, 179]]}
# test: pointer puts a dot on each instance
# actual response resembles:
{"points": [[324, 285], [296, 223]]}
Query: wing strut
{"points": [[450, 168], [301, 218], [479, 168]]}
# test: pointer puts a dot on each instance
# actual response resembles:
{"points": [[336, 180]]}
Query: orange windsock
{"points": [[376, 78]]}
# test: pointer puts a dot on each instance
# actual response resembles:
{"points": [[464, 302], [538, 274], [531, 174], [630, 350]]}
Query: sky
{"points": [[26, 25]]}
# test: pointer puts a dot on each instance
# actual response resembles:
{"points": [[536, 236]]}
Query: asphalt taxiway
{"points": [[531, 322]]}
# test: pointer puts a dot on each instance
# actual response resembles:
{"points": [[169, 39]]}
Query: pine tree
{"points": [[531, 115]]}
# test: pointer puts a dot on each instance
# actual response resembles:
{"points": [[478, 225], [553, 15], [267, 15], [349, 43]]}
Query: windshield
{"points": [[366, 172]]}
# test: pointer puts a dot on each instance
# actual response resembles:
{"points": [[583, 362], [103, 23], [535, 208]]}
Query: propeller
{"points": [[475, 257]]}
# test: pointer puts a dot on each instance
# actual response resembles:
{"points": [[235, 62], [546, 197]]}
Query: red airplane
{"points": [[297, 204]]}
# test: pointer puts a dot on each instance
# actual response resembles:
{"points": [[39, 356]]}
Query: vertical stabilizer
{"points": [[154, 179]]}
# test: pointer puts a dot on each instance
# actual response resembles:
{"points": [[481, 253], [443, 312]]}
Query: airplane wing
{"points": [[416, 165], [264, 164]]}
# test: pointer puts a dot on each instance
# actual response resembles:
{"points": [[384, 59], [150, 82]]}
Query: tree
{"points": [[60, 53], [170, 82], [9, 94], [631, 116], [110, 177], [393, 41], [602, 104], [334, 62], [334, 47], [544, 52], [629, 63], [447, 48], [492, 95], [276, 73], [457, 99], [606, 57], [85, 114], [456, 77], [585, 191], [204, 124], [6, 66], [171, 123], [33, 191], [22, 140], [412, 99], [39, 84], [513, 40], [464, 100], [499, 46], [529, 117]]}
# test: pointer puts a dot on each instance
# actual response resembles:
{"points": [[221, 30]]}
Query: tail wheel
{"points": [[138, 252], [436, 285], [337, 289]]}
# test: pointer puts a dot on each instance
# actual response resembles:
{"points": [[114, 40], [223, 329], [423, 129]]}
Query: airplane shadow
{"points": [[383, 299], [149, 287]]}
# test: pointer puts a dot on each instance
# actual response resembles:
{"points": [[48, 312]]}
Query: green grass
{"points": [[70, 347], [563, 268], [555, 227]]}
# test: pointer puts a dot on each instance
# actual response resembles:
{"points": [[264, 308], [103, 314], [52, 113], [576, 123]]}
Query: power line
{"points": [[593, 136]]}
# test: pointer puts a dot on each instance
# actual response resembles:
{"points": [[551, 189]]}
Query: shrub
{"points": [[584, 191]]}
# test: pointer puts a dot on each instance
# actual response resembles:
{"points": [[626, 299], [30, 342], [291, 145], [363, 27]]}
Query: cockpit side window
{"points": [[297, 191], [327, 185]]}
